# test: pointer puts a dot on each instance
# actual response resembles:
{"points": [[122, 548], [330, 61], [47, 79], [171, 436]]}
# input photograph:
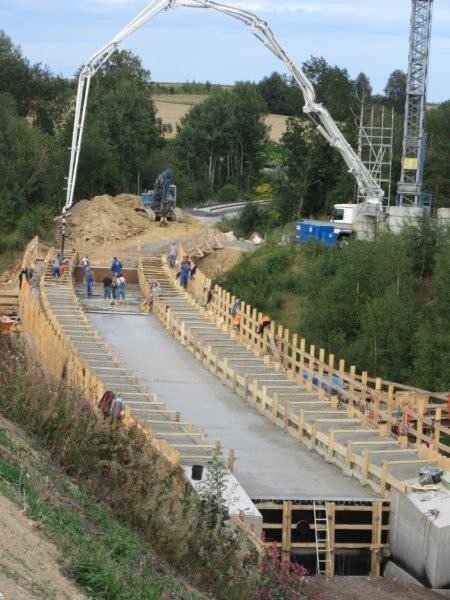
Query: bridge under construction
{"points": [[320, 460]]}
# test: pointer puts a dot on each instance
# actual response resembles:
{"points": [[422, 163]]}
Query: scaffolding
{"points": [[375, 146], [328, 537], [409, 191]]}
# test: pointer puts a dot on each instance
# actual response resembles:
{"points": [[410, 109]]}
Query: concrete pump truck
{"points": [[369, 211]]}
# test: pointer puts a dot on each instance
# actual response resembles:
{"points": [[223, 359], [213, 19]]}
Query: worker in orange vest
{"points": [[263, 323], [237, 321]]}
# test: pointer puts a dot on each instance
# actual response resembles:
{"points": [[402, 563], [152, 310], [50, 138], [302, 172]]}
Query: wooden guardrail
{"points": [[411, 415], [285, 415], [202, 245], [30, 254], [59, 357]]}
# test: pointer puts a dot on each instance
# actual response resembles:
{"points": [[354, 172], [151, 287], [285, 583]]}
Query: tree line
{"points": [[219, 149], [381, 305]]}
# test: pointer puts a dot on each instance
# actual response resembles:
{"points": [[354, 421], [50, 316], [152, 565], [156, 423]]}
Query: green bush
{"points": [[228, 193], [37, 221]]}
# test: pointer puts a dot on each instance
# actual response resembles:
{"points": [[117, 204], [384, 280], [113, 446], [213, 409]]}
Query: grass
{"points": [[10, 573], [106, 558], [125, 504], [8, 258]]}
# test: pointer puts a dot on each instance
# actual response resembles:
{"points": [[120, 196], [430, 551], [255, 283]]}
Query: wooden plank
{"points": [[376, 539]]}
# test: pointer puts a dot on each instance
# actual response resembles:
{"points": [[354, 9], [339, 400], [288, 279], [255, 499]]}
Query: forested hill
{"points": [[219, 151], [384, 305]]}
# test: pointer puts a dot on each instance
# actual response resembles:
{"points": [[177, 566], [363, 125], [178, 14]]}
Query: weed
{"points": [[105, 555], [45, 589], [10, 573]]}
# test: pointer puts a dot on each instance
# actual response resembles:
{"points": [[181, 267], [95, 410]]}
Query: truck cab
{"points": [[343, 218]]}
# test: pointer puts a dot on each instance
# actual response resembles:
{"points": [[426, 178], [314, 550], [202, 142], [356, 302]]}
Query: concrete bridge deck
{"points": [[366, 442], [270, 464], [166, 389]]}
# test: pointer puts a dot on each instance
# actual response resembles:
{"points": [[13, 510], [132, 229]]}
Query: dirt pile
{"points": [[106, 219], [219, 262]]}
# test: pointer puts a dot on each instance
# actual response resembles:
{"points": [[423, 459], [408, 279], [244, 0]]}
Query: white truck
{"points": [[358, 220]]}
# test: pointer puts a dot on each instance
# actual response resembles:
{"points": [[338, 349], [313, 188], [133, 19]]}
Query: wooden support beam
{"points": [[286, 532], [331, 538]]}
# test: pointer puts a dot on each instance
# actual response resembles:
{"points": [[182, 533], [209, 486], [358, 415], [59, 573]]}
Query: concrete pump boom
{"points": [[368, 187]]}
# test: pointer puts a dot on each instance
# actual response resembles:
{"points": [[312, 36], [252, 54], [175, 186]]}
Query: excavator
{"points": [[160, 202]]}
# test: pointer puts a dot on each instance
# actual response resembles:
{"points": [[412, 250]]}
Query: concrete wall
{"points": [[100, 272], [419, 541], [238, 502], [443, 215], [402, 216]]}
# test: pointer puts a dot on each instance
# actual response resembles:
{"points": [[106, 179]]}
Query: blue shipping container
{"points": [[324, 232]]}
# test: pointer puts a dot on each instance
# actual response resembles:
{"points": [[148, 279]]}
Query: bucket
{"points": [[197, 472]]}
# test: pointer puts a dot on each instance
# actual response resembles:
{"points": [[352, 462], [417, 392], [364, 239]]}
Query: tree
{"points": [[313, 170], [221, 140], [38, 94], [333, 87], [30, 166], [251, 133], [395, 90], [14, 74], [437, 167], [275, 91], [51, 100], [363, 88], [121, 120]]}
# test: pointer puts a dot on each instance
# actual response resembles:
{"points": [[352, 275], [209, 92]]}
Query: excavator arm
{"points": [[368, 187]]}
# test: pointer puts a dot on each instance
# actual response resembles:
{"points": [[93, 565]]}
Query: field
{"points": [[172, 108]]}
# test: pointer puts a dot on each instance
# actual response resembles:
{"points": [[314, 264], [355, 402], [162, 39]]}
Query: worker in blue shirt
{"points": [[116, 267]]}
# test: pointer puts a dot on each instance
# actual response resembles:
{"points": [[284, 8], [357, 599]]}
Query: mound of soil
{"points": [[219, 262], [106, 219]]}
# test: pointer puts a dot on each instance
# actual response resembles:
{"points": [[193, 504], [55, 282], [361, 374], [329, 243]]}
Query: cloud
{"points": [[355, 9]]}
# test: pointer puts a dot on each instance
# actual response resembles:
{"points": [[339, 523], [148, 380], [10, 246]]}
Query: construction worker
{"points": [[85, 263], [107, 287], [90, 280], [121, 281], [173, 253], [64, 265], [185, 272], [237, 321], [116, 267], [263, 323], [23, 275], [56, 272]]}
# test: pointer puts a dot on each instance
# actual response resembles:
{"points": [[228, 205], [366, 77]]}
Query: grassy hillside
{"points": [[124, 517], [104, 557]]}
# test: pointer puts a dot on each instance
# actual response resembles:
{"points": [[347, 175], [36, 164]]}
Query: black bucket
{"points": [[197, 472]]}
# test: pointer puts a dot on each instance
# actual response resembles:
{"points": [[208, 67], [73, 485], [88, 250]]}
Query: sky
{"points": [[186, 44]]}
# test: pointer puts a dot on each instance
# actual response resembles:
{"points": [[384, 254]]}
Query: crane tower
{"points": [[409, 189]]}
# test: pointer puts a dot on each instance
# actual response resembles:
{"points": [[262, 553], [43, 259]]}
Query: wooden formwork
{"points": [[414, 416], [355, 528], [58, 356], [292, 415]]}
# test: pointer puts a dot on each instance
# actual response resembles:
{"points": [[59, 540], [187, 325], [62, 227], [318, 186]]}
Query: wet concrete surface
{"points": [[270, 464]]}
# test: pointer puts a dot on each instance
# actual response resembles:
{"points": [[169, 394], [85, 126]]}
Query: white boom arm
{"points": [[368, 187]]}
